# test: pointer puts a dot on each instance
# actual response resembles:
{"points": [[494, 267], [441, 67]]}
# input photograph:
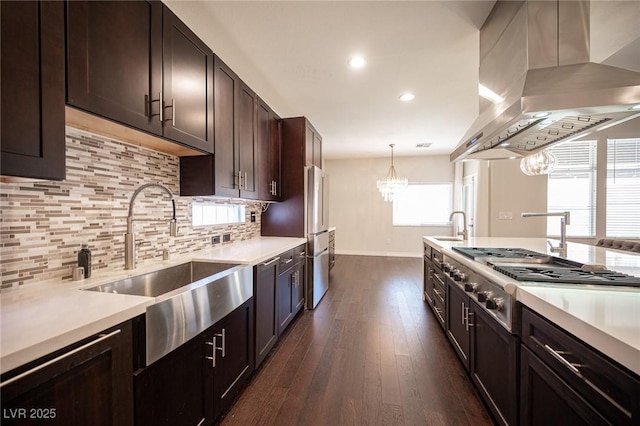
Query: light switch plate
{"points": [[505, 215]]}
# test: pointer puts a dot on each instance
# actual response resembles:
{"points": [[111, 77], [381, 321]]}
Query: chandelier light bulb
{"points": [[541, 163]]}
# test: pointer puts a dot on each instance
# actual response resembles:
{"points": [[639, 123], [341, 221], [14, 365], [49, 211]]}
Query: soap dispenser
{"points": [[84, 260]]}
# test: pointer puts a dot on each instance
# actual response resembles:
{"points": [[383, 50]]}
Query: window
{"points": [[623, 188], [423, 204], [216, 214], [572, 187]]}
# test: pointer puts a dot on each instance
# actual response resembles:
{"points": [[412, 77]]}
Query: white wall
{"points": [[363, 219]]}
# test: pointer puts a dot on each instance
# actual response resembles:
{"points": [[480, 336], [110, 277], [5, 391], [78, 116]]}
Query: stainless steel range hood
{"points": [[536, 55]]}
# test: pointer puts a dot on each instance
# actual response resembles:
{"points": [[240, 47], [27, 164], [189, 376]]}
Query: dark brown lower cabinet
{"points": [[565, 381], [458, 322], [89, 383], [266, 276], [196, 383], [291, 282], [547, 399], [494, 365], [234, 361]]}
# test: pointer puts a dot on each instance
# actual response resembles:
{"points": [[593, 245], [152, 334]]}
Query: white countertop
{"points": [[607, 318], [43, 317]]}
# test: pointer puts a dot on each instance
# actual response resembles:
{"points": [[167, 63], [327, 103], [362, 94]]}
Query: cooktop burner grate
{"points": [[497, 253], [560, 275]]}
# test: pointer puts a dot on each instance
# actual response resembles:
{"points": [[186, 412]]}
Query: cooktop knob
{"points": [[453, 272], [483, 296], [446, 267], [495, 303], [460, 276], [471, 287]]}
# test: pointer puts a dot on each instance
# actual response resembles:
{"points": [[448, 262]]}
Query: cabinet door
{"points": [[317, 150], [269, 142], [297, 287], [285, 300], [235, 360], [246, 120], [266, 319], [114, 60], [226, 178], [171, 391], [188, 85], [546, 399], [309, 145], [85, 384], [457, 322], [494, 360], [33, 81]]}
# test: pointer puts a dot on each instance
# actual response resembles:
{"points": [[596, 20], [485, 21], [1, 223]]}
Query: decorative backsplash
{"points": [[43, 224]]}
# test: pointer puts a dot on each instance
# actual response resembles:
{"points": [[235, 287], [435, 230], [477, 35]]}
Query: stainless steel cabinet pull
{"points": [[466, 318], [223, 348], [288, 260], [275, 259], [213, 351], [161, 112], [148, 104], [462, 308], [101, 337], [246, 179], [557, 355]]}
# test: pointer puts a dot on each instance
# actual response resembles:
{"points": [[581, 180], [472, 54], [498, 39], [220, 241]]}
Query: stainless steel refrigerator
{"points": [[317, 225]]}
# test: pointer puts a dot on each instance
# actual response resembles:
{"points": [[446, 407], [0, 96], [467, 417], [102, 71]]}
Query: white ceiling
{"points": [[294, 55]]}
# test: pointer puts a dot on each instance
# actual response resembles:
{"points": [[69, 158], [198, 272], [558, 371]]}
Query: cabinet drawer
{"points": [[610, 389], [300, 254], [427, 251], [286, 260]]}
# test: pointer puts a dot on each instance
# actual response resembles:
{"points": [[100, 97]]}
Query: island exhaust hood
{"points": [[536, 55]]}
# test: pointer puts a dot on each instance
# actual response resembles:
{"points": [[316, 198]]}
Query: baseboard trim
{"points": [[379, 253]]}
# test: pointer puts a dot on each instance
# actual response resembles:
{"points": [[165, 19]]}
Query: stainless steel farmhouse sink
{"points": [[158, 283], [190, 298]]}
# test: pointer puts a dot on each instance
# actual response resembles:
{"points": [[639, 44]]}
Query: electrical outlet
{"points": [[253, 216], [226, 238], [215, 239]]}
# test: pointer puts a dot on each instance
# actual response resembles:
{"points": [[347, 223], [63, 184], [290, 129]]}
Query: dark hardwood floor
{"points": [[371, 353]]}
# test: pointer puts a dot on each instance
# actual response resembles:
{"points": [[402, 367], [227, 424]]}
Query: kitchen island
{"points": [[528, 343]]}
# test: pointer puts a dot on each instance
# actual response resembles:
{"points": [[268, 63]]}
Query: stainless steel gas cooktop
{"points": [[565, 275], [527, 265]]}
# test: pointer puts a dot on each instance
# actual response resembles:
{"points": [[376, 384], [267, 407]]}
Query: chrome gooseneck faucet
{"points": [[564, 221], [129, 237], [464, 232]]}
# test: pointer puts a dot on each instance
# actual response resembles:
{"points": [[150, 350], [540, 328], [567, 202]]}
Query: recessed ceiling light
{"points": [[357, 62], [542, 115], [487, 93], [406, 97]]}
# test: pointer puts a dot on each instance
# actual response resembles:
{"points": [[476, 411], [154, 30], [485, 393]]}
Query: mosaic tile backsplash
{"points": [[43, 224]]}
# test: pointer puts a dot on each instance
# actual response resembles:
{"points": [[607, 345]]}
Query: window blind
{"points": [[623, 188], [572, 187]]}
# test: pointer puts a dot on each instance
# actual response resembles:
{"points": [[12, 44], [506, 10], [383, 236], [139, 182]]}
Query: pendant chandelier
{"points": [[391, 184], [541, 163]]}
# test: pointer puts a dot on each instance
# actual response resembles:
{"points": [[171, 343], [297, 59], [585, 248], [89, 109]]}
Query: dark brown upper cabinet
{"points": [[233, 170], [314, 146], [33, 82], [116, 69], [269, 143]]}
